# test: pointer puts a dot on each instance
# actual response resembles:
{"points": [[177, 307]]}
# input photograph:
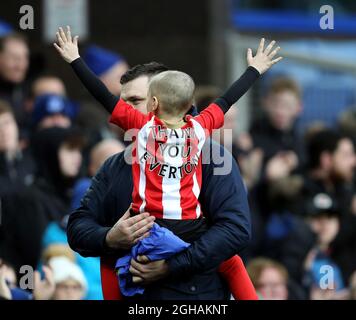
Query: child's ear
{"points": [[154, 103]]}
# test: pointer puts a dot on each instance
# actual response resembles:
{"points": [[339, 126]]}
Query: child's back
{"points": [[167, 153]]}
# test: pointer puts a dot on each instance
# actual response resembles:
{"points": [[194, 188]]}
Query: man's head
{"points": [[322, 215], [58, 154], [283, 103], [48, 84], [14, 58], [52, 110], [135, 84], [9, 131], [333, 154], [69, 279], [70, 158], [170, 93], [107, 65], [269, 277], [44, 84]]}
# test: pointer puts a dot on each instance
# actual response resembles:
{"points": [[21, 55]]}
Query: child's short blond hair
{"points": [[174, 91]]}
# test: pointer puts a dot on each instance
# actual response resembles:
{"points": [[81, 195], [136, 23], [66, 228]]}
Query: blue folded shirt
{"points": [[160, 244]]}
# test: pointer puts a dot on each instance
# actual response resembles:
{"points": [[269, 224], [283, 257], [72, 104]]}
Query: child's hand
{"points": [[68, 47], [262, 61]]}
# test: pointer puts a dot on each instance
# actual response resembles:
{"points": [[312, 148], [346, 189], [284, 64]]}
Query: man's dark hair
{"points": [[147, 69], [12, 36], [325, 140]]}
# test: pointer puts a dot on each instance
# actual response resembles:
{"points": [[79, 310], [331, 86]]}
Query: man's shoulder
{"points": [[116, 158], [215, 155], [221, 172], [214, 148]]}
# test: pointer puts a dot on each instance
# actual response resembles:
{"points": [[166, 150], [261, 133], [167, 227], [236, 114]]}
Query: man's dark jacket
{"points": [[193, 272]]}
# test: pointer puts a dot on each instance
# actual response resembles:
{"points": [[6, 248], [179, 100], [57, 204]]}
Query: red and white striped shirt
{"points": [[167, 173]]}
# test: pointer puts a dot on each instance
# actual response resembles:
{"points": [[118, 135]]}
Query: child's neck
{"points": [[172, 122]]}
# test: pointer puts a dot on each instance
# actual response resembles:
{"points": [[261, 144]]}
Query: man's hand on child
{"points": [[263, 59], [128, 230], [145, 271], [67, 46]]}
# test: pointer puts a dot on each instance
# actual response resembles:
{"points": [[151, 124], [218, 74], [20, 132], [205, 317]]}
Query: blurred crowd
{"points": [[302, 198], [301, 185]]}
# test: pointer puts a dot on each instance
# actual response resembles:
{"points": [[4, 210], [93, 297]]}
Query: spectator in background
{"points": [[17, 168], [57, 250], [8, 280], [322, 238], [275, 132], [53, 251], [21, 230], [331, 165], [331, 162], [52, 110], [283, 201], [101, 152], [68, 279], [49, 107], [42, 85], [269, 277], [48, 84], [43, 288], [107, 65], [347, 127], [56, 231], [14, 63], [70, 283], [9, 290], [347, 122], [8, 284], [273, 152], [98, 155], [58, 154]]}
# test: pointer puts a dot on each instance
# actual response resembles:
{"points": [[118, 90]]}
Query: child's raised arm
{"points": [[212, 117], [67, 47], [263, 60], [257, 65]]}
